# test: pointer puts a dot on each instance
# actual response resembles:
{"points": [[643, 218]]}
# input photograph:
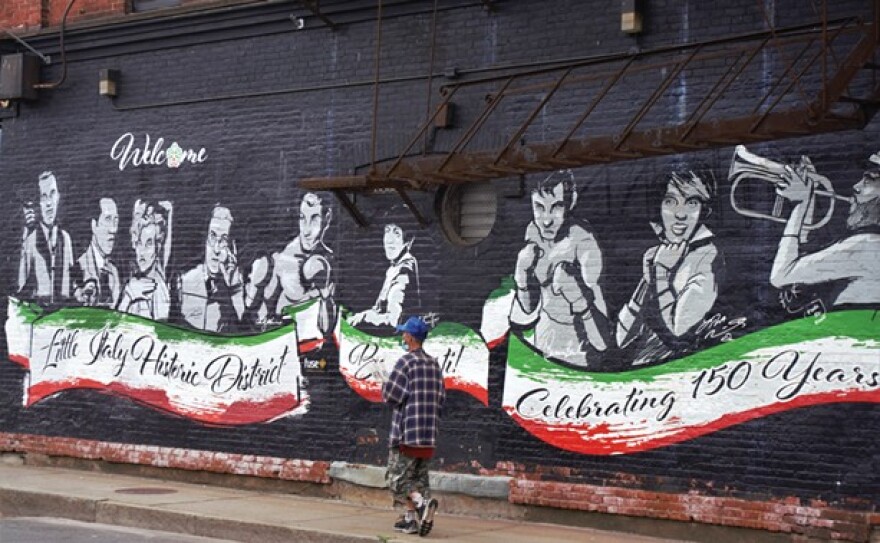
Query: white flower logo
{"points": [[174, 155]]}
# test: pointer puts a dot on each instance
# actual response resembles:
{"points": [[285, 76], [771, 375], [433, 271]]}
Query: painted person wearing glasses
{"points": [[415, 392], [680, 276], [146, 293], [211, 293], [850, 265]]}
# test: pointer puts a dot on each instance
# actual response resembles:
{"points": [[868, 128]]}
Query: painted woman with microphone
{"points": [[680, 276]]}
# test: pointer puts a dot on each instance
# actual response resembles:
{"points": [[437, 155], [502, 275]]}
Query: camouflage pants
{"points": [[405, 475]]}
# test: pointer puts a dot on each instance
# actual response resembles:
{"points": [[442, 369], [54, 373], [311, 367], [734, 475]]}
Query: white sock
{"points": [[417, 498], [410, 515]]}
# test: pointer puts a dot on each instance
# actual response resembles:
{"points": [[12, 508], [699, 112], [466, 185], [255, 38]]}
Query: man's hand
{"points": [[259, 275], [380, 371], [140, 288], [797, 185], [565, 283], [87, 294], [30, 216], [229, 261], [316, 273], [167, 206], [669, 255], [357, 318], [526, 262], [648, 263]]}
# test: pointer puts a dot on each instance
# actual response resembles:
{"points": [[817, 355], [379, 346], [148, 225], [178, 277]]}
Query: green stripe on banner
{"points": [[90, 318], [349, 331], [855, 324], [507, 286]]}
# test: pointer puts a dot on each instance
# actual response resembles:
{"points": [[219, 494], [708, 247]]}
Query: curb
{"points": [[20, 503]]}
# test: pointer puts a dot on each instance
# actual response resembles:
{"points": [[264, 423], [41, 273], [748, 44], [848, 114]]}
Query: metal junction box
{"points": [[18, 75]]}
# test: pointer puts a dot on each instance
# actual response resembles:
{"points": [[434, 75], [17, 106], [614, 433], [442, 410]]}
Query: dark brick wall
{"points": [[259, 146]]}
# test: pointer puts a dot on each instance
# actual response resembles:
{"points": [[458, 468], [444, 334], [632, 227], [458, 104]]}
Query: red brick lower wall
{"points": [[816, 520], [167, 457]]}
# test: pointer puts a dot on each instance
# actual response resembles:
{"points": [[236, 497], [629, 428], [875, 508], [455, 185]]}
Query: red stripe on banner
{"points": [[21, 360], [491, 344], [474, 389], [371, 390], [309, 345], [599, 439], [234, 413], [368, 389]]}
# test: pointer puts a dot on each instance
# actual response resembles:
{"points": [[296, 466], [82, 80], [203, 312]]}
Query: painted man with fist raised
{"points": [[557, 278], [303, 270]]}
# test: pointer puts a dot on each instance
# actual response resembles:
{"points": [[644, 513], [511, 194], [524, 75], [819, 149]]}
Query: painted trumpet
{"points": [[747, 165]]}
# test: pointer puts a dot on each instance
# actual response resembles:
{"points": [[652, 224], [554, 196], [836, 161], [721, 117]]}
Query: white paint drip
{"points": [[681, 100]]}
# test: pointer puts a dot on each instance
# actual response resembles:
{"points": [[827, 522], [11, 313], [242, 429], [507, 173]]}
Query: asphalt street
{"points": [[57, 530]]}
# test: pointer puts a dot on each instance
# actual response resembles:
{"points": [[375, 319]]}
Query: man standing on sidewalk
{"points": [[414, 390]]}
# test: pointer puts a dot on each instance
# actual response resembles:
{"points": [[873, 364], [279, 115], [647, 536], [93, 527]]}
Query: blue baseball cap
{"points": [[415, 326]]}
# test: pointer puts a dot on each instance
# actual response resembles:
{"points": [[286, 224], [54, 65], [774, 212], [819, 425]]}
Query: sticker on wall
{"points": [[799, 363], [461, 352], [211, 379]]}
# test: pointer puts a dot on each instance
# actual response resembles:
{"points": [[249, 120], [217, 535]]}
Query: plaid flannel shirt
{"points": [[415, 391]]}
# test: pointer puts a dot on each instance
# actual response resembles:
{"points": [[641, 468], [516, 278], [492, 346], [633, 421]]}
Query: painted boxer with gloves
{"points": [[303, 270], [557, 278]]}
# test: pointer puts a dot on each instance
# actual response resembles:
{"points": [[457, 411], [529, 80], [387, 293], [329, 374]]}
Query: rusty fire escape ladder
{"points": [[779, 111], [860, 58], [712, 97]]}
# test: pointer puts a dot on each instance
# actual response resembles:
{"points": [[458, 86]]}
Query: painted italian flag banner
{"points": [[495, 322], [365, 360], [795, 364], [214, 379]]}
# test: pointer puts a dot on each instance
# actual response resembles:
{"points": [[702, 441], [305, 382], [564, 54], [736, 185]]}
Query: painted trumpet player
{"points": [[848, 266]]}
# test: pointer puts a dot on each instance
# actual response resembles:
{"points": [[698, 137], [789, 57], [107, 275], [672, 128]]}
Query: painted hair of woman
{"points": [[144, 215], [699, 184]]}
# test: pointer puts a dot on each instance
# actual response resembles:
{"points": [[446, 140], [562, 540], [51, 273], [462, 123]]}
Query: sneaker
{"points": [[407, 526], [400, 524], [426, 516]]}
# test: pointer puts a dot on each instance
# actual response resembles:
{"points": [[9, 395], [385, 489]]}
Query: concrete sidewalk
{"points": [[241, 515]]}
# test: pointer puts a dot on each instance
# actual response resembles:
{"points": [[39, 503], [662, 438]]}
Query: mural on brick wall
{"points": [[218, 340], [300, 272], [99, 321], [689, 369], [557, 278], [46, 263], [224, 339], [368, 346], [401, 285], [680, 275], [146, 291]]}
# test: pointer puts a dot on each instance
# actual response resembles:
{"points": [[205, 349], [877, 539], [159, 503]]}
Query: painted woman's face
{"points": [[680, 214], [145, 248]]}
